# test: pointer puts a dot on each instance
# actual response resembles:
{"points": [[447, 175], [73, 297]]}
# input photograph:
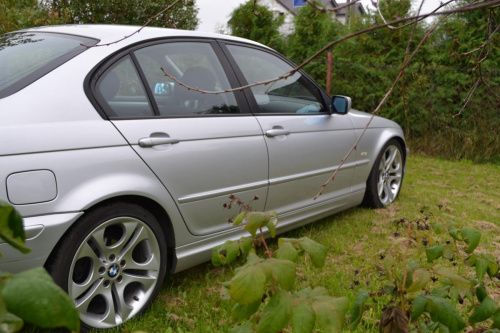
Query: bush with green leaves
{"points": [[431, 296], [262, 290], [30, 296]]}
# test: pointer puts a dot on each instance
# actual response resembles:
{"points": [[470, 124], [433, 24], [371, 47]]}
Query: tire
{"points": [[386, 177], [111, 263]]}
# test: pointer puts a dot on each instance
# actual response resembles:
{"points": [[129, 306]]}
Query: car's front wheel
{"points": [[111, 263], [386, 177]]}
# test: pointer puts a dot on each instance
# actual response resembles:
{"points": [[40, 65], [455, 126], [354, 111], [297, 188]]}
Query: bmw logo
{"points": [[113, 271]]}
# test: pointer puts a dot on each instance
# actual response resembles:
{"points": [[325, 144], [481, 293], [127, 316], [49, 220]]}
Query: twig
{"points": [[464, 8], [389, 92], [138, 30]]}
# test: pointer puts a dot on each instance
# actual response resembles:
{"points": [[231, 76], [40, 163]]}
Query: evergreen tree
{"points": [[313, 30], [21, 14], [182, 16], [260, 25]]}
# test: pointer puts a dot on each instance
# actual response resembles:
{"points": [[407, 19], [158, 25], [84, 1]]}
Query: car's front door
{"points": [[202, 147], [305, 142]]}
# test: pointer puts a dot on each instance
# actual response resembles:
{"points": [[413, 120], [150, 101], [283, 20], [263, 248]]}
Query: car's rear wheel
{"points": [[111, 263], [386, 177]]}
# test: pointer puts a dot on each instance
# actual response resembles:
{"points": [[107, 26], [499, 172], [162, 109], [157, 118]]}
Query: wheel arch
{"points": [[152, 206]]}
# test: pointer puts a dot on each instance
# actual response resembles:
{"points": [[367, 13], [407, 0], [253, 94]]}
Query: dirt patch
{"points": [[445, 202], [458, 194], [358, 248], [173, 301], [489, 201], [479, 195], [484, 225]]}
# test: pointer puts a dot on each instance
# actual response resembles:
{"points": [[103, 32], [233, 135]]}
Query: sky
{"points": [[215, 13]]}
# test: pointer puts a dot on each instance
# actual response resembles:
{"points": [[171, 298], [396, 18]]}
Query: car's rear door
{"points": [[305, 142], [202, 147]]}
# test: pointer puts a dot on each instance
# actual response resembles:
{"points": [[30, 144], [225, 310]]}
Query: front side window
{"points": [[194, 64], [26, 56], [294, 95]]}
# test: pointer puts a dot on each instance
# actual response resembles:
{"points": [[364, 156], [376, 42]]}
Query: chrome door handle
{"points": [[276, 132], [155, 141]]}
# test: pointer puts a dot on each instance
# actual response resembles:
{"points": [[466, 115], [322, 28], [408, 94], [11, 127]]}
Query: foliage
{"points": [[420, 292], [313, 29], [21, 14], [32, 295], [258, 24], [182, 16], [268, 283]]}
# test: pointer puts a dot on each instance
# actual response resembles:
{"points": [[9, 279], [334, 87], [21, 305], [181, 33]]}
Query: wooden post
{"points": [[329, 74]]}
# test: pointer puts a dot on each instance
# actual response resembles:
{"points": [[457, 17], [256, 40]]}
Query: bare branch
{"points": [[464, 8], [138, 30], [389, 92]]}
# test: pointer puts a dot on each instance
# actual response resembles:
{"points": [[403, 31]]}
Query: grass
{"points": [[469, 195]]}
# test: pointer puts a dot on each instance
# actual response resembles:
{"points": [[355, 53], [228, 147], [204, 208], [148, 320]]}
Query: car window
{"points": [[122, 90], [194, 64], [26, 57], [294, 95]]}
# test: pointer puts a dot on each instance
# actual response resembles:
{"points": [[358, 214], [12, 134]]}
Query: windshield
{"points": [[27, 56]]}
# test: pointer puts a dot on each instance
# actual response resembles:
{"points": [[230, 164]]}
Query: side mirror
{"points": [[341, 104]]}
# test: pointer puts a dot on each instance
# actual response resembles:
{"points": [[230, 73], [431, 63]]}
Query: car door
{"points": [[305, 141], [202, 147]]}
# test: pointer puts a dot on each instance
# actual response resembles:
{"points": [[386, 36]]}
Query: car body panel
{"points": [[215, 157]]}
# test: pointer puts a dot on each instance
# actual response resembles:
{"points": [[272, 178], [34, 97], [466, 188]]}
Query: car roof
{"points": [[108, 33]]}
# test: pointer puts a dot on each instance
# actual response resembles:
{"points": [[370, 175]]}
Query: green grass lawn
{"points": [[469, 195]]}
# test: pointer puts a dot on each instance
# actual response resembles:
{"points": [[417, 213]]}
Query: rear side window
{"points": [[26, 57]]}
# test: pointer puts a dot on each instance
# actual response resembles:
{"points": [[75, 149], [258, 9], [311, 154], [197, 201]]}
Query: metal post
{"points": [[329, 73]]}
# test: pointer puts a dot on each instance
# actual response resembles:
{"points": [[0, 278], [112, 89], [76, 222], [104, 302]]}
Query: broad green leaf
{"points": [[273, 222], [358, 309], [316, 251], [246, 244], [243, 312], [393, 320], [283, 272], [462, 285], [419, 279], [330, 313], [33, 296], [276, 313], [454, 233], [12, 228], [493, 269], [11, 323], [496, 319], [471, 237], [481, 292], [255, 220], [481, 267], [443, 312], [248, 285], [239, 218], [319, 291], [302, 316], [434, 252], [3, 306], [246, 327], [484, 311], [418, 307], [226, 253], [287, 251], [215, 256]]}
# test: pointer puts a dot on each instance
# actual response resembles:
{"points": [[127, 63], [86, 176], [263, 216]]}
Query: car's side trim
{"points": [[220, 192], [304, 175]]}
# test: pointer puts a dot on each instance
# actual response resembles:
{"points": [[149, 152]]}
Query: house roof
{"points": [[289, 5]]}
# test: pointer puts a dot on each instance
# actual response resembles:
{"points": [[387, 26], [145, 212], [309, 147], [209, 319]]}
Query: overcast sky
{"points": [[214, 13]]}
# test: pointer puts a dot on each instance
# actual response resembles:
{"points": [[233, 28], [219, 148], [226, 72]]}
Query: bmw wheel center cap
{"points": [[113, 271]]}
